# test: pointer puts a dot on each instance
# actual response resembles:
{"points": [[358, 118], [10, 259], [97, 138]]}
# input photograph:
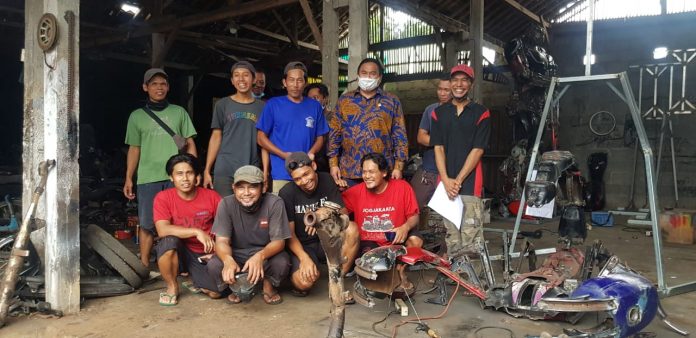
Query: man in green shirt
{"points": [[150, 146]]}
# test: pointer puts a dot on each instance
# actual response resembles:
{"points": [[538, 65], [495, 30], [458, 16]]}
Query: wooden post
{"points": [[51, 128], [476, 36], [329, 51], [358, 31]]}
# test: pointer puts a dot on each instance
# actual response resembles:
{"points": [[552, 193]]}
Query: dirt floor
{"points": [[139, 315]]}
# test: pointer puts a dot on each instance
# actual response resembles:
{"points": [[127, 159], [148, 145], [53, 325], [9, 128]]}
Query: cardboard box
{"points": [[677, 226]]}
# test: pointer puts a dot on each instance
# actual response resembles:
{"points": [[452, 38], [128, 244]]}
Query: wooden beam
{"points": [[221, 44], [537, 18], [476, 37], [358, 31], [51, 131], [165, 25], [138, 59], [309, 16], [278, 36], [440, 20], [286, 29], [249, 43], [329, 50]]}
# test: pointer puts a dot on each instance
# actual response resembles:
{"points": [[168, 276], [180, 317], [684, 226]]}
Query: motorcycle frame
{"points": [[626, 95]]}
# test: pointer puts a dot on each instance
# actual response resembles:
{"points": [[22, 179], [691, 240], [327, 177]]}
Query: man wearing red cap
{"points": [[460, 133]]}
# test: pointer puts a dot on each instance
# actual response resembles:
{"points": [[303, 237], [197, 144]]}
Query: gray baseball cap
{"points": [[243, 64], [295, 65], [248, 173], [150, 73]]}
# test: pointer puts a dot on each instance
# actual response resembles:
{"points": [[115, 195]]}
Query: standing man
{"points": [[424, 181], [311, 190], [184, 217], [460, 133], [258, 90], [368, 120], [320, 92], [233, 140], [250, 231], [150, 146], [291, 123]]}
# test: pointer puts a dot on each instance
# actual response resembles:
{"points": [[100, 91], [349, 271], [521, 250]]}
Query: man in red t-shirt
{"points": [[386, 211], [184, 216]]}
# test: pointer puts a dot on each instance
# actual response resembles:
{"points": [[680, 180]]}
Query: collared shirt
{"points": [[362, 126], [459, 134]]}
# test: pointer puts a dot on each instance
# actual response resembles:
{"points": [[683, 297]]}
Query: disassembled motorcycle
{"points": [[562, 288]]}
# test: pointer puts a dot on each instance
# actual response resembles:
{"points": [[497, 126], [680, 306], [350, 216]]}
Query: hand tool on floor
{"points": [[19, 249]]}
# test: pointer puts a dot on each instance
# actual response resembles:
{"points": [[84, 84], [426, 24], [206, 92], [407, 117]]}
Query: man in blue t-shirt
{"points": [[291, 123]]}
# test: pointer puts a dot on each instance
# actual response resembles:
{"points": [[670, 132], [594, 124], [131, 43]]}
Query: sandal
{"points": [[348, 298], [268, 298], [299, 293], [233, 299], [188, 285], [166, 299]]}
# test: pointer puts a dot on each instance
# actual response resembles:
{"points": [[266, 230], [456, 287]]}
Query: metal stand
{"points": [[625, 95]]}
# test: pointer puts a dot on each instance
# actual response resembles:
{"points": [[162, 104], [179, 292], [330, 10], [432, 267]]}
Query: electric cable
{"points": [[476, 333], [395, 330]]}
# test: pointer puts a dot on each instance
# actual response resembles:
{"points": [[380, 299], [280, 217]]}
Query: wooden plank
{"points": [[537, 18], [310, 20]]}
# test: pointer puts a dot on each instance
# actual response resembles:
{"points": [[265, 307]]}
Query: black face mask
{"points": [[254, 207], [156, 106]]}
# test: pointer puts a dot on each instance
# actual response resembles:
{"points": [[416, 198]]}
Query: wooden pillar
{"points": [[476, 36], [158, 41], [329, 50], [51, 121], [358, 31]]}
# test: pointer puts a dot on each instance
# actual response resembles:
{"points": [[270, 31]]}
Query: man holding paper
{"points": [[460, 133]]}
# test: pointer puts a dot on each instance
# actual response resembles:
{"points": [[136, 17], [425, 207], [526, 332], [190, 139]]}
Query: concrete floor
{"points": [[139, 315]]}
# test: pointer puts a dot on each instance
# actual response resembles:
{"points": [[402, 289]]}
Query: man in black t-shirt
{"points": [[460, 132], [310, 190]]}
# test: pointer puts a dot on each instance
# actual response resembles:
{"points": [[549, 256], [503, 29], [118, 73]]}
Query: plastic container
{"points": [[602, 219]]}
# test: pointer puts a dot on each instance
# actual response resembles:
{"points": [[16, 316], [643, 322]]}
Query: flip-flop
{"points": [[237, 300], [268, 298], [188, 285], [166, 299], [299, 293]]}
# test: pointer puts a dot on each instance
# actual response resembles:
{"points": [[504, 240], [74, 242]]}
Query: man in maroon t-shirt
{"points": [[386, 211], [184, 216]]}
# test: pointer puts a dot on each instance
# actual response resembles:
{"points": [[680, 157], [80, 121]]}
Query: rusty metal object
{"points": [[331, 225], [9, 280]]}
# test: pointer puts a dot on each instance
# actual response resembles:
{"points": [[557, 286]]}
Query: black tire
{"points": [[86, 290], [104, 290], [132, 260], [114, 260]]}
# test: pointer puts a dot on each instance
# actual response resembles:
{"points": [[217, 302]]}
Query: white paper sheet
{"points": [[452, 210]]}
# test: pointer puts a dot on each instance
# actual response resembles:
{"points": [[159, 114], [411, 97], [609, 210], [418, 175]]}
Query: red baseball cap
{"points": [[463, 69]]}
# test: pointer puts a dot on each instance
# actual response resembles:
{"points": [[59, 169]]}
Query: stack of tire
{"points": [[116, 255]]}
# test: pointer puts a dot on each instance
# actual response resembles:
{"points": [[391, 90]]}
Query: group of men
{"points": [[219, 222]]}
